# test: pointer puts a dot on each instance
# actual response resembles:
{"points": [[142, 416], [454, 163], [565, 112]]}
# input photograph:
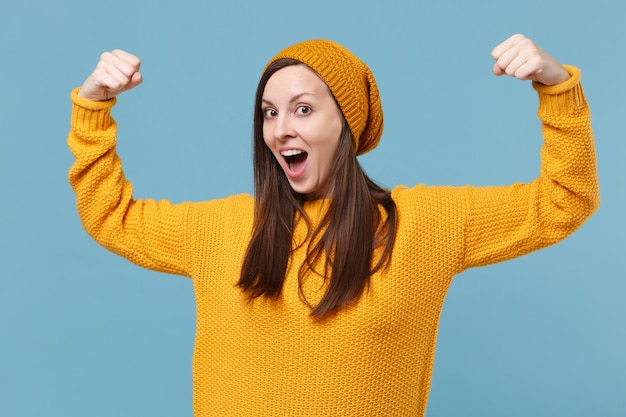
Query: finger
{"points": [[117, 71], [110, 77], [508, 61], [497, 52], [515, 64], [522, 60], [121, 62], [528, 69], [508, 51], [131, 62], [497, 70], [135, 80]]}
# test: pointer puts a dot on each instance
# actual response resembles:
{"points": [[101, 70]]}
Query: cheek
{"points": [[337, 135], [330, 149]]}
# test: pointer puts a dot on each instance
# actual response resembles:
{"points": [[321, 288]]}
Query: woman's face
{"points": [[302, 126]]}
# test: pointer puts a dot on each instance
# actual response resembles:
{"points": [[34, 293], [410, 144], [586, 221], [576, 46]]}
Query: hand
{"points": [[519, 57], [116, 72]]}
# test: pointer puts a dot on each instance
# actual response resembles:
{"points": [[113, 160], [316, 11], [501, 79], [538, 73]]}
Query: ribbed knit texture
{"points": [[351, 82], [375, 357]]}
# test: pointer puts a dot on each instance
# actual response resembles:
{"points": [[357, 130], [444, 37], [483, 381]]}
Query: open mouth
{"points": [[295, 159]]}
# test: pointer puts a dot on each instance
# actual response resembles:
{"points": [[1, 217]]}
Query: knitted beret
{"points": [[351, 82]]}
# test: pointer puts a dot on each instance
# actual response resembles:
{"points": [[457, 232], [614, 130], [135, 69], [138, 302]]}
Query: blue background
{"points": [[85, 333]]}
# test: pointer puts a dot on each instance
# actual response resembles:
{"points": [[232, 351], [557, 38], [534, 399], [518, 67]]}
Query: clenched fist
{"points": [[519, 57], [116, 72]]}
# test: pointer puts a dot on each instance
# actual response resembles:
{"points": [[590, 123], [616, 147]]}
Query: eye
{"points": [[269, 113], [303, 110]]}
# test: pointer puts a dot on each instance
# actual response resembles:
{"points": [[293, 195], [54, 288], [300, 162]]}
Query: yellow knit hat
{"points": [[351, 82]]}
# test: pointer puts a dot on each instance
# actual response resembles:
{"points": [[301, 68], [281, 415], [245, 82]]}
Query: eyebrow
{"points": [[294, 98]]}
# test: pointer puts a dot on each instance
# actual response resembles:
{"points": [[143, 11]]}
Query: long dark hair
{"points": [[351, 231]]}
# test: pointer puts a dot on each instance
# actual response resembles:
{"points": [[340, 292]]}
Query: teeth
{"points": [[291, 152]]}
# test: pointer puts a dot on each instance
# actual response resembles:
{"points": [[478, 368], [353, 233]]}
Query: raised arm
{"points": [[148, 233], [505, 222]]}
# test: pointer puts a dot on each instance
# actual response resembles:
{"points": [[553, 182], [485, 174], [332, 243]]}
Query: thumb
{"points": [[497, 70], [134, 81]]}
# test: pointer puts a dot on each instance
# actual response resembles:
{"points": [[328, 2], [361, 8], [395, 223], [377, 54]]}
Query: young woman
{"points": [[321, 295]]}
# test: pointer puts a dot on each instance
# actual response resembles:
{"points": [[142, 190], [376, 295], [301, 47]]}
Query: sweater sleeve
{"points": [[506, 222], [148, 233]]}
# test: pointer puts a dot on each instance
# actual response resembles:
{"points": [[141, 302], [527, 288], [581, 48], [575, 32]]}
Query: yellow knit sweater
{"points": [[374, 358]]}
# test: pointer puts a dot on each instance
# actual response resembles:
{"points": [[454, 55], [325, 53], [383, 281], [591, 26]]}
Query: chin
{"points": [[305, 191]]}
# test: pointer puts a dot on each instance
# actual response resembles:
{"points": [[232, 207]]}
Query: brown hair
{"points": [[351, 230]]}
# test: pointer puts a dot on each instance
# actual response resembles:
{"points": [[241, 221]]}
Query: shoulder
{"points": [[426, 196], [236, 204], [220, 219], [434, 205]]}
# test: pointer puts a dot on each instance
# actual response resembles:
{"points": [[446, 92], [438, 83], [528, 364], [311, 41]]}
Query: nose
{"points": [[283, 128]]}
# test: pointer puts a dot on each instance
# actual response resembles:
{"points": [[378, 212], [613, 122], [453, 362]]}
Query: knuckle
{"points": [[510, 70], [519, 37], [105, 56], [529, 45]]}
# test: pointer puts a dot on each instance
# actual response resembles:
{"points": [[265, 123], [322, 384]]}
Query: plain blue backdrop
{"points": [[85, 333]]}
